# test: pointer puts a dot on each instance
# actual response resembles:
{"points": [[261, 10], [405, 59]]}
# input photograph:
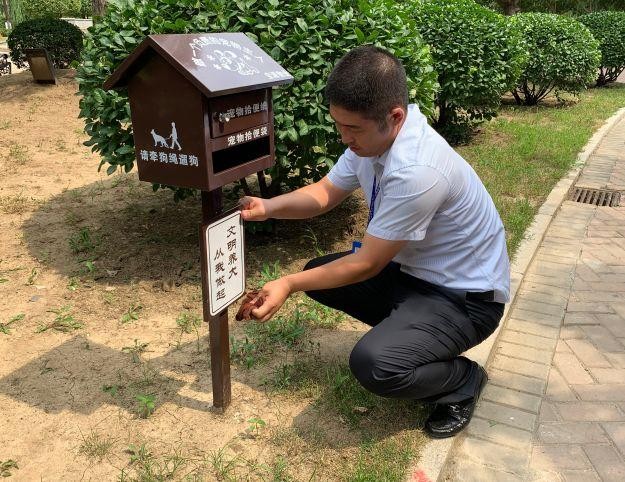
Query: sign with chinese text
{"points": [[224, 248]]}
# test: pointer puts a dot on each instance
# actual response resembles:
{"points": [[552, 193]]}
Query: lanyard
{"points": [[374, 194]]}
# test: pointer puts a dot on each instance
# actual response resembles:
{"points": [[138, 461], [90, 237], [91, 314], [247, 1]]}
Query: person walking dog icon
{"points": [[174, 137]]}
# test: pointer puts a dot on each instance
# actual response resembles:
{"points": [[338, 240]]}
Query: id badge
{"points": [[356, 245]]}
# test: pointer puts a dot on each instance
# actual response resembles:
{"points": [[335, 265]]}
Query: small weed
{"points": [[17, 204], [3, 280], [148, 468], [34, 273], [6, 466], [318, 315], [4, 327], [73, 284], [136, 350], [18, 154], [255, 425], [262, 339], [64, 321], [146, 404], [224, 466], [72, 218], [269, 272], [5, 124], [82, 241], [312, 237], [111, 389], [89, 266], [189, 322], [132, 314], [95, 446]]}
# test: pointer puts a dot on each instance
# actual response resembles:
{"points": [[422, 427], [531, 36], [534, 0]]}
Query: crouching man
{"points": [[432, 273]]}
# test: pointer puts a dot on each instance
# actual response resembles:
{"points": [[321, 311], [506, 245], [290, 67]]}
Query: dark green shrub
{"points": [[478, 57], [305, 36], [62, 40], [563, 56], [609, 29], [32, 9]]}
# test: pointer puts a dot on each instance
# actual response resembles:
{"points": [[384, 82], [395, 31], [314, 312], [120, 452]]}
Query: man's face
{"points": [[365, 136]]}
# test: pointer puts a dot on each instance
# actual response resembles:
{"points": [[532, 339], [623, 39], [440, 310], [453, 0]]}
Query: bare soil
{"points": [[68, 399]]}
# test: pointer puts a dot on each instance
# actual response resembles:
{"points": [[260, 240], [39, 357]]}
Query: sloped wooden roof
{"points": [[216, 63]]}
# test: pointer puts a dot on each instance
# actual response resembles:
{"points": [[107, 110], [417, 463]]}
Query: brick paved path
{"points": [[554, 408]]}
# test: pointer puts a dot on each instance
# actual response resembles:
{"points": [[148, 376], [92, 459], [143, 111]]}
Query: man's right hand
{"points": [[254, 208]]}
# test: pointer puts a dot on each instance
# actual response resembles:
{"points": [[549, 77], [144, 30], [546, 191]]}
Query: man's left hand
{"points": [[275, 293]]}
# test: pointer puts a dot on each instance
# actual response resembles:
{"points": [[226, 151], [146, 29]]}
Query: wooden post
{"points": [[212, 204]]}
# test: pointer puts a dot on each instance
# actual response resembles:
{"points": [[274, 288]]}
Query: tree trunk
{"points": [[510, 7], [7, 16], [99, 7]]}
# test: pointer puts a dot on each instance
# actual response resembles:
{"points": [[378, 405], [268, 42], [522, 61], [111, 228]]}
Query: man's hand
{"points": [[254, 208], [275, 294]]}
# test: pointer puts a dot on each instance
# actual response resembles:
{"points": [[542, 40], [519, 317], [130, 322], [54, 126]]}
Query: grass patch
{"points": [[17, 204], [525, 151], [64, 321], [95, 446], [5, 327]]}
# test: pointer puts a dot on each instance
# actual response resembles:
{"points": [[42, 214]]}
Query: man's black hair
{"points": [[368, 80]]}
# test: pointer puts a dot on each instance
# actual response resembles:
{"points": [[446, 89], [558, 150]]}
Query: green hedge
{"points": [[563, 56], [306, 37], [478, 57], [61, 39], [32, 9], [609, 29]]}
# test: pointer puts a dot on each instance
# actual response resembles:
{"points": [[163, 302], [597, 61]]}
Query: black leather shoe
{"points": [[448, 419]]}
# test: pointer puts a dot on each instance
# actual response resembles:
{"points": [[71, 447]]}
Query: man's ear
{"points": [[398, 114]]}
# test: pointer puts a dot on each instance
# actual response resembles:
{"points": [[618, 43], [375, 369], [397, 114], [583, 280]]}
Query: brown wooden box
{"points": [[201, 107]]}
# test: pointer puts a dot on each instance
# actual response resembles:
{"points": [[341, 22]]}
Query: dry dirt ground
{"points": [[95, 271]]}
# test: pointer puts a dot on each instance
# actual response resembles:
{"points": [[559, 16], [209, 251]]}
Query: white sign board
{"points": [[226, 265]]}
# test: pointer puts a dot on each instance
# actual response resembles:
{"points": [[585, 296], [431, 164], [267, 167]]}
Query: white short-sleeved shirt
{"points": [[431, 197]]}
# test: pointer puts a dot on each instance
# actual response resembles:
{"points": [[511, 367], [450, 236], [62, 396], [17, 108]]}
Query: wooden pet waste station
{"points": [[202, 117]]}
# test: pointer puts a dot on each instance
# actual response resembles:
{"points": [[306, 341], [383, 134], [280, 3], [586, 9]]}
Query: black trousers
{"points": [[418, 332]]}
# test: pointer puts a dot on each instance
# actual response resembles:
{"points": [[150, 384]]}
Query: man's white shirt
{"points": [[432, 198]]}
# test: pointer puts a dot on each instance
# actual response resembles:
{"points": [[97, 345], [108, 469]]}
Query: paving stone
{"points": [[588, 307], [579, 319], [607, 462], [557, 458], [532, 328], [541, 288], [600, 393], [587, 475], [616, 359], [540, 318], [570, 433], [589, 412], [588, 354], [523, 367], [609, 375], [548, 412], [602, 338], [557, 282], [535, 341], [571, 368], [557, 388], [596, 296], [515, 398], [507, 415], [469, 471], [516, 381], [562, 347], [616, 431], [500, 433], [526, 296], [525, 352], [492, 454], [568, 332], [614, 323]]}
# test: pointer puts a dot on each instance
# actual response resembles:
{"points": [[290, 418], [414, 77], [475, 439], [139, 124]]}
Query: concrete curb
{"points": [[434, 455]]}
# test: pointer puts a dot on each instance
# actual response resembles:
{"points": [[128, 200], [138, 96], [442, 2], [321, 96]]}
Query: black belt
{"points": [[481, 295]]}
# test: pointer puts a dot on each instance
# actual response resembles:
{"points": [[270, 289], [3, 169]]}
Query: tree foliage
{"points": [[563, 56], [32, 9], [61, 39], [478, 57], [609, 29], [306, 37]]}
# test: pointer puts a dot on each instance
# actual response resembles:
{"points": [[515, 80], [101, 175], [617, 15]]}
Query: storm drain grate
{"points": [[598, 197]]}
